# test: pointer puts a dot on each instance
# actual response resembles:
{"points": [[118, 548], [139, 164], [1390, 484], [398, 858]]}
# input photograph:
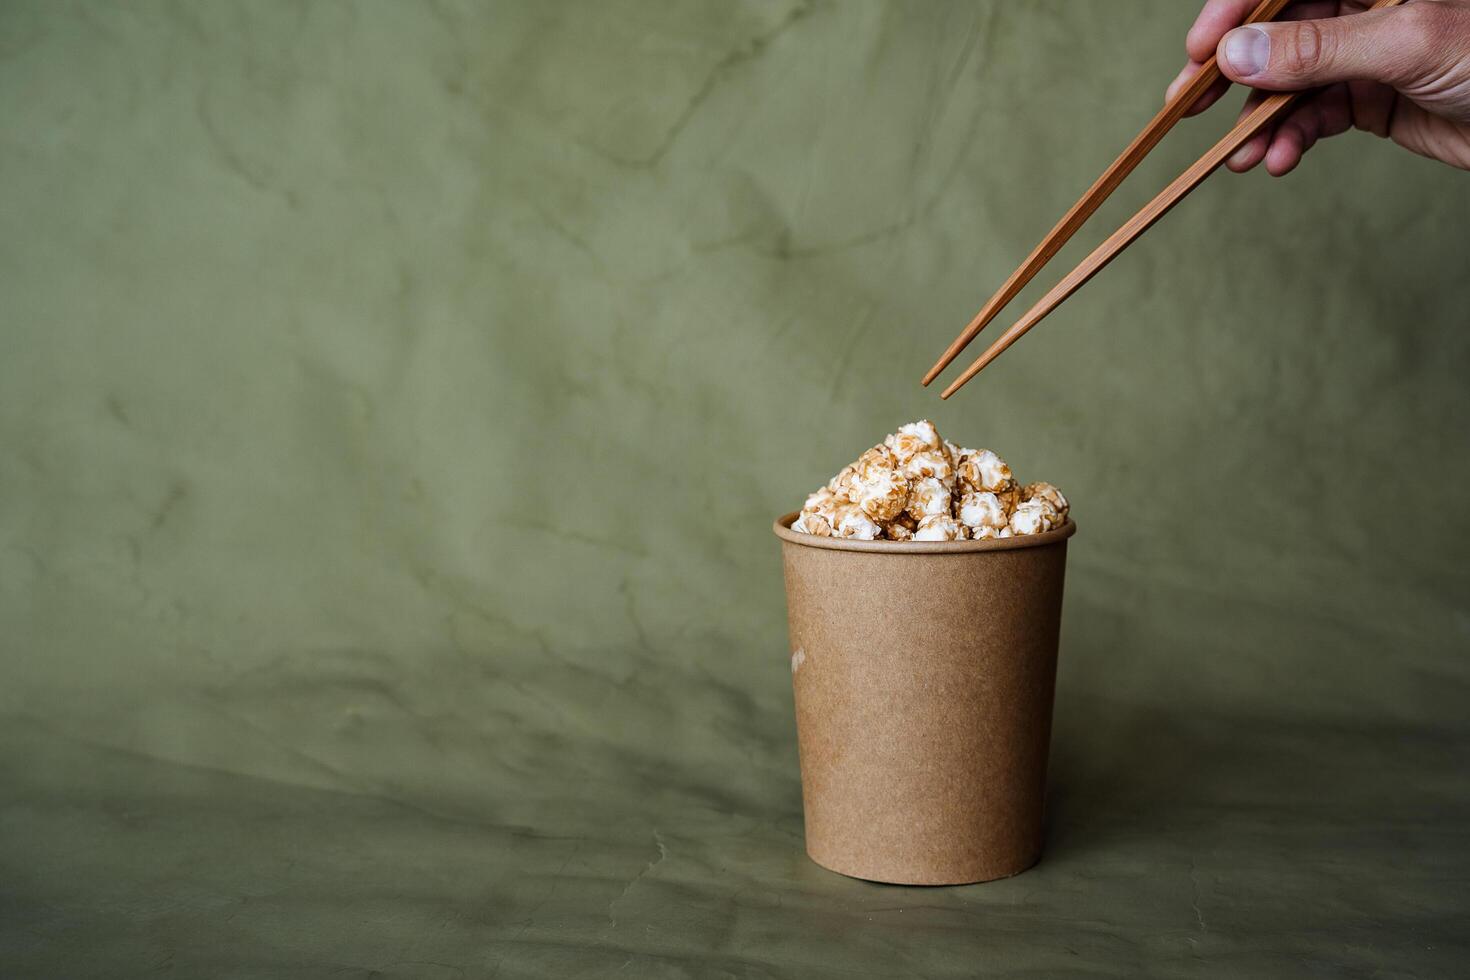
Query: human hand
{"points": [[1402, 73]]}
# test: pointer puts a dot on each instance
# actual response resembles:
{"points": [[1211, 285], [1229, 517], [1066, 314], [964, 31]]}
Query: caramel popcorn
{"points": [[983, 509], [812, 523], [823, 501], [853, 523], [874, 461], [984, 470], [1010, 497], [895, 532], [1033, 517], [841, 484], [914, 438], [940, 527], [1049, 493], [930, 463], [927, 496], [918, 486], [879, 489]]}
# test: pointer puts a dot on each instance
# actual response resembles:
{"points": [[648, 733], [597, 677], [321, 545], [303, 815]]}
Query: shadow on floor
{"points": [[1121, 771]]}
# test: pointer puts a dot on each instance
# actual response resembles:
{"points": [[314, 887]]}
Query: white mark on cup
{"points": [[797, 659]]}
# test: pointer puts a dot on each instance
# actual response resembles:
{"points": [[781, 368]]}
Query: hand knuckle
{"points": [[1308, 49], [1426, 21], [1425, 36]]}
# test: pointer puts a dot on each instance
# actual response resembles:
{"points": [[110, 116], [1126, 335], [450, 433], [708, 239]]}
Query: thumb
{"points": [[1395, 46]]}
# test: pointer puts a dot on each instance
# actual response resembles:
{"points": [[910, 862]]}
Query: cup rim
{"points": [[782, 527]]}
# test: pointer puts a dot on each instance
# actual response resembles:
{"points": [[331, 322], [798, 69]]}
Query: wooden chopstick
{"points": [[1263, 114], [1132, 155]]}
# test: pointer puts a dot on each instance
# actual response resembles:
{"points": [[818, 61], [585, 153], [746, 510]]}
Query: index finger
{"points": [[1219, 17], [1215, 20]]}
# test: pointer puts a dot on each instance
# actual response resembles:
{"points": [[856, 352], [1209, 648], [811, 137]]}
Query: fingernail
{"points": [[1248, 50]]}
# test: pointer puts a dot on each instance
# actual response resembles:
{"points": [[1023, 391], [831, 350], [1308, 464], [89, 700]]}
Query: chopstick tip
{"points": [[969, 373]]}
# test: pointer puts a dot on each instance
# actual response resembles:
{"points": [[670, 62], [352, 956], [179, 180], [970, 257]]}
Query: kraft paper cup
{"points": [[923, 674]]}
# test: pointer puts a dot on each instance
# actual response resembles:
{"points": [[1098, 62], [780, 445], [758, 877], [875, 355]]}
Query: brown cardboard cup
{"points": [[923, 674]]}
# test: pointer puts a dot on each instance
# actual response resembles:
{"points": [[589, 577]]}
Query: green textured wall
{"points": [[394, 397]]}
